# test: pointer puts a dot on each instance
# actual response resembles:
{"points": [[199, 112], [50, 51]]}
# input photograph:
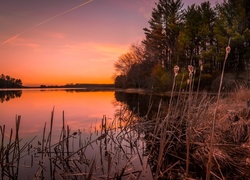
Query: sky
{"points": [[56, 42]]}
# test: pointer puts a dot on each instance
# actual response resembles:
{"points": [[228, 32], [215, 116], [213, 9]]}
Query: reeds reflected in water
{"points": [[111, 151]]}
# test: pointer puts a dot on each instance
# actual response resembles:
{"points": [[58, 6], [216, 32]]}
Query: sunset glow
{"points": [[59, 42], [82, 109]]}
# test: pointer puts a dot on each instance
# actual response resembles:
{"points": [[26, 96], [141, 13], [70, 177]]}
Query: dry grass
{"points": [[230, 140]]}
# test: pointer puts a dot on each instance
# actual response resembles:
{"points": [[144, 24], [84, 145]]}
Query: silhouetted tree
{"points": [[9, 82]]}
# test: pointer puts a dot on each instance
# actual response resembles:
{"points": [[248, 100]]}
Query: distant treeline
{"points": [[8, 82], [89, 86]]}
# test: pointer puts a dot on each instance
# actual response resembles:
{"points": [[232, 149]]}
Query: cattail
{"points": [[190, 69], [176, 70], [201, 65], [228, 49], [200, 62]]}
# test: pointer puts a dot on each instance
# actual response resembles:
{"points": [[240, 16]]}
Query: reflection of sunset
{"points": [[81, 109]]}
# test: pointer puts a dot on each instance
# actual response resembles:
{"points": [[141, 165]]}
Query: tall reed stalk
{"points": [[164, 128], [2, 131], [211, 144], [199, 80], [17, 146], [189, 122]]}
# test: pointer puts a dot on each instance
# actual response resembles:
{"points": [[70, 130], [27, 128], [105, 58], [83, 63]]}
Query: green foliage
{"points": [[181, 80], [183, 37], [161, 78], [161, 38], [206, 80]]}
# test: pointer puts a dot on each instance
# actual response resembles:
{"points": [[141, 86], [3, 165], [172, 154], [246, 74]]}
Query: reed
{"points": [[2, 130], [211, 146], [186, 128], [174, 143]]}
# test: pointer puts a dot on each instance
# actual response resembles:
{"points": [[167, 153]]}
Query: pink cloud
{"points": [[22, 42]]}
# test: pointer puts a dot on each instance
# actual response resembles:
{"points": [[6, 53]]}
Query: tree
{"points": [[139, 75], [120, 81], [125, 61], [233, 23], [161, 37], [161, 78], [9, 82], [134, 69], [189, 36]]}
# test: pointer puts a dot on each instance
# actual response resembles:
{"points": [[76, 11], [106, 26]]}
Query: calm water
{"points": [[122, 151], [83, 113], [81, 109]]}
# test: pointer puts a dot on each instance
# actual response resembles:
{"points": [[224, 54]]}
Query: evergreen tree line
{"points": [[9, 82], [196, 36]]}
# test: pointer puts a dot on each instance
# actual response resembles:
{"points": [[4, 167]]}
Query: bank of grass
{"points": [[199, 137], [182, 141]]}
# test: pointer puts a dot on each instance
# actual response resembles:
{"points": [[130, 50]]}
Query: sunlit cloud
{"points": [[22, 42], [58, 35], [105, 50], [109, 48], [103, 60], [53, 35]]}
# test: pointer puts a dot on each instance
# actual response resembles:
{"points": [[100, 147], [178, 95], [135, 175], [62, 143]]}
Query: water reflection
{"points": [[113, 146], [67, 147], [176, 137], [142, 104], [86, 90], [10, 94], [81, 110]]}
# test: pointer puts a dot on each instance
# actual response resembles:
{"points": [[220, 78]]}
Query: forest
{"points": [[196, 36], [9, 82]]}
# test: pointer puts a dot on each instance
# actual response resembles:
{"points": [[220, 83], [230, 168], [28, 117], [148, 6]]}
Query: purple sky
{"points": [[76, 41]]}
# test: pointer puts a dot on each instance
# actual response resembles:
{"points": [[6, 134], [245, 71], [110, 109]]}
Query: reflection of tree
{"points": [[7, 95], [86, 90], [140, 104]]}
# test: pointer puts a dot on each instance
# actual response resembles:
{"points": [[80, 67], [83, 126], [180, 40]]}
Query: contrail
{"points": [[43, 22]]}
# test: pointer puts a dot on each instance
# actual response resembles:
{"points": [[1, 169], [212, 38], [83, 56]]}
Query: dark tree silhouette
{"points": [[9, 82]]}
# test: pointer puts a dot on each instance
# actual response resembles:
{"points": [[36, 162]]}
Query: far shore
{"points": [[104, 87]]}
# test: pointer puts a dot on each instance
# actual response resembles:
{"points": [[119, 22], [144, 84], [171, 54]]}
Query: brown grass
{"points": [[230, 140]]}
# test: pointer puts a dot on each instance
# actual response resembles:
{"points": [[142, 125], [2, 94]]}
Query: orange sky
{"points": [[61, 41]]}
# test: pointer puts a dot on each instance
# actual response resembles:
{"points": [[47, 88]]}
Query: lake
{"points": [[93, 126], [81, 109]]}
